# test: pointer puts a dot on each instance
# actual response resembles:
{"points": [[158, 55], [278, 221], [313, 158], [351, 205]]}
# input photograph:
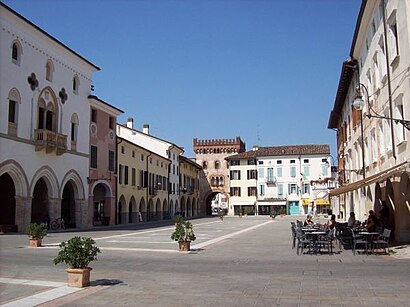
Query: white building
{"points": [[268, 179], [161, 147], [44, 125], [373, 148]]}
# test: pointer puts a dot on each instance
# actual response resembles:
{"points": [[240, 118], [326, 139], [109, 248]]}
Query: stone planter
{"points": [[78, 278], [184, 246], [35, 242]]}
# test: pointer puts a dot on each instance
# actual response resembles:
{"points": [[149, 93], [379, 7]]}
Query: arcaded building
{"points": [[214, 177]]}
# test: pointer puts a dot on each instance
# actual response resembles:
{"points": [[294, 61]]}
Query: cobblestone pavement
{"points": [[245, 261]]}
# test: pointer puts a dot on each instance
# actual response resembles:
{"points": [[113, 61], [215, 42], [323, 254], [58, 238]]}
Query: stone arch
{"points": [[143, 210], [50, 179], [165, 208], [194, 207], [74, 177], [106, 185], [188, 207], [18, 175], [183, 208], [158, 209], [132, 210], [171, 208], [122, 210], [150, 210]]}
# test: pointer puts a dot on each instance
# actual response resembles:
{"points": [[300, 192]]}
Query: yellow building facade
{"points": [[142, 184], [189, 188]]}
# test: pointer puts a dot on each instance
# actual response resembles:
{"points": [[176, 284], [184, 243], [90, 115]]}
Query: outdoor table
{"points": [[369, 237], [314, 236]]}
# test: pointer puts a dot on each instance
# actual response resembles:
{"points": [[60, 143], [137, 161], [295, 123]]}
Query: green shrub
{"points": [[36, 230], [77, 252]]}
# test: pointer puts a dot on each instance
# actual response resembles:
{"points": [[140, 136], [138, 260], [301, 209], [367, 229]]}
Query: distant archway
{"points": [[7, 200]]}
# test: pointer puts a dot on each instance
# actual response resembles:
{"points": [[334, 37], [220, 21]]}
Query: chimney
{"points": [[145, 128], [255, 148], [130, 122]]}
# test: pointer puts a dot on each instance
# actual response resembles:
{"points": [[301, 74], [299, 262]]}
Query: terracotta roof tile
{"points": [[285, 150]]}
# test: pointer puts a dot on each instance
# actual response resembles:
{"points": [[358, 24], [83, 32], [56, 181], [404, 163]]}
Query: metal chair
{"points": [[302, 241], [326, 241], [357, 240], [383, 240], [293, 229]]}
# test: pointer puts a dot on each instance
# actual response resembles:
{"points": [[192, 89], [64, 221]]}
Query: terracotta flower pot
{"points": [[35, 242], [184, 246], [78, 277]]}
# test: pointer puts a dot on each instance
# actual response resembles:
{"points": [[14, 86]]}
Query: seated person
{"points": [[372, 222], [352, 220], [308, 221], [332, 222]]}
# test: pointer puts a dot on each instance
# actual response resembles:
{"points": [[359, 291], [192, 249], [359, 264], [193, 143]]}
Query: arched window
{"points": [[47, 111], [76, 84], [204, 165], [16, 52], [217, 165], [14, 101], [49, 70]]}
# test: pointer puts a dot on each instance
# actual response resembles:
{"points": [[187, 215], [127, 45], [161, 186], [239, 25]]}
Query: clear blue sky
{"points": [[266, 71]]}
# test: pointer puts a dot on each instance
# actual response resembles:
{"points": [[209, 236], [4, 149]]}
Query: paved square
{"points": [[245, 261]]}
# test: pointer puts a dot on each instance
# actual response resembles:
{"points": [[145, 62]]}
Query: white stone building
{"points": [[44, 125], [271, 179], [373, 143]]}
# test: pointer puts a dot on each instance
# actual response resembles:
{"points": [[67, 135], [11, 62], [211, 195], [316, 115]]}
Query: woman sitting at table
{"points": [[352, 220], [372, 222], [332, 222], [308, 221]]}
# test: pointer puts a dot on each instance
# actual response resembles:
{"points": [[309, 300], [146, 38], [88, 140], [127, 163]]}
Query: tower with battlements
{"points": [[214, 180]]}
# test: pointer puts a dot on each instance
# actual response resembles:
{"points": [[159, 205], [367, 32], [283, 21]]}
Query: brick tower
{"points": [[214, 181]]}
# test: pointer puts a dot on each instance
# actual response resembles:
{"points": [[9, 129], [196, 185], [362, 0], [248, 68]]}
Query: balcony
{"points": [[270, 180], [50, 141]]}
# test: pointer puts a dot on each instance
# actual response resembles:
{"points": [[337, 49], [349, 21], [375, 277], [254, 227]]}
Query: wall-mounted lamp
{"points": [[359, 103]]}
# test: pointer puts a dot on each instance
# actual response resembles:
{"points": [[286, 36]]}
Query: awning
{"points": [[369, 180], [322, 201]]}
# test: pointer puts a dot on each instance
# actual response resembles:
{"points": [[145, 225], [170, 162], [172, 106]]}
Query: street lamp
{"points": [[359, 103]]}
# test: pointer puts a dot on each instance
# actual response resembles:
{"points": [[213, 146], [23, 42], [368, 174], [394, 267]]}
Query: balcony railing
{"points": [[271, 180], [50, 141]]}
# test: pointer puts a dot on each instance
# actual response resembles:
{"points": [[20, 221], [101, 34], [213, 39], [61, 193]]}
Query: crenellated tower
{"points": [[214, 181]]}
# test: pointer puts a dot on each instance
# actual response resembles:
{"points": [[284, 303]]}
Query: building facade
{"points": [[44, 109], [142, 184], [189, 186], [161, 147], [214, 177], [369, 114], [272, 180], [103, 155]]}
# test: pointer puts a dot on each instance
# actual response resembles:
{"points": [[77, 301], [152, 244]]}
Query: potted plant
{"points": [[178, 219], [36, 233], [282, 212], [77, 253], [183, 234]]}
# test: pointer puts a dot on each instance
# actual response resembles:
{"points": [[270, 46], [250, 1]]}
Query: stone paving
{"points": [[245, 261]]}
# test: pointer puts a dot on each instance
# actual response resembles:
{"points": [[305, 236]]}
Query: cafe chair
{"points": [[293, 229], [302, 241], [358, 240], [326, 241], [383, 241]]}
